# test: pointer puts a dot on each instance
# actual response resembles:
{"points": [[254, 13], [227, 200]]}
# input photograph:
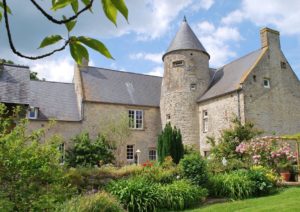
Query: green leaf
{"points": [[70, 25], [74, 5], [0, 16], [110, 10], [78, 52], [96, 45], [7, 7], [59, 4], [121, 6], [52, 39], [86, 3]]}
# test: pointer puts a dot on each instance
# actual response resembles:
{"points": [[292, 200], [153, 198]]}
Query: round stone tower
{"points": [[186, 78]]}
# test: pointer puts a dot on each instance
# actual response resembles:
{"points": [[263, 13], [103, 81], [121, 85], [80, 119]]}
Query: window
{"points": [[61, 149], [267, 83], [152, 154], [130, 152], [283, 65], [205, 121], [168, 116], [33, 113], [135, 119], [178, 63], [193, 86]]}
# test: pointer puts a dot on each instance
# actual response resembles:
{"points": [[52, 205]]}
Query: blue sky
{"points": [[227, 29]]}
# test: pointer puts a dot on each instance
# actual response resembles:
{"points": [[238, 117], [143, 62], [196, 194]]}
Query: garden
{"points": [[240, 166]]}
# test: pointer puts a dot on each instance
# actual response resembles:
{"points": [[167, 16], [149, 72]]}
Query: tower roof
{"points": [[185, 39]]}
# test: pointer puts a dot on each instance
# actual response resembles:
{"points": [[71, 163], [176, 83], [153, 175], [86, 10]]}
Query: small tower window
{"points": [[254, 78], [168, 116], [266, 83], [283, 65], [178, 63], [193, 86]]}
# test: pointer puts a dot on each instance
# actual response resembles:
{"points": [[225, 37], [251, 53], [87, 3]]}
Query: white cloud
{"points": [[284, 15], [234, 17], [153, 57], [203, 4], [216, 39], [59, 70], [157, 71]]}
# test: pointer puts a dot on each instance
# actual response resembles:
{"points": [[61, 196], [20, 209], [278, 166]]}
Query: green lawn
{"points": [[286, 200]]}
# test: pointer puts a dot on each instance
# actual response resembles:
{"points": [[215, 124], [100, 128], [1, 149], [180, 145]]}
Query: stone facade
{"points": [[96, 116], [180, 90], [220, 111], [273, 108]]}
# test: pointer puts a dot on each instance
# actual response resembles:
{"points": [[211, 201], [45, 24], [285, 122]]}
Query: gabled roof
{"points": [[55, 100], [14, 84], [185, 39], [229, 77], [110, 86]]}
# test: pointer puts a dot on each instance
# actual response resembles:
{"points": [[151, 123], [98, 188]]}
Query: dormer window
{"points": [[266, 83], [178, 63], [33, 112]]}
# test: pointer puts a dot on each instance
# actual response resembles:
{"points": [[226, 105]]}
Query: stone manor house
{"points": [[260, 87]]}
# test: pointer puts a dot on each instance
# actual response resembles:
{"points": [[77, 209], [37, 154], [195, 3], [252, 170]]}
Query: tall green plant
{"points": [[170, 144]]}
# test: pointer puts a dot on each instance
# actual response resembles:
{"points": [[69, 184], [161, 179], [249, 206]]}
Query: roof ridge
{"points": [[128, 72], [14, 65], [51, 82]]}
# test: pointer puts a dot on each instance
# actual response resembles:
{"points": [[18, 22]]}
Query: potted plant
{"points": [[284, 158]]}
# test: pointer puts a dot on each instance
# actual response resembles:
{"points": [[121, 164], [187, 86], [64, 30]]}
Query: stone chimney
{"points": [[85, 62], [269, 38]]}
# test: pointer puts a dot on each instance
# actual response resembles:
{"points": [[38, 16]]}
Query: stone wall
{"points": [[221, 111], [96, 117], [178, 100], [276, 109]]}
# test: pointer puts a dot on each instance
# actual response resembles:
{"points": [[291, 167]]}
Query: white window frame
{"points": [[128, 147], [205, 121], [135, 120], [33, 110], [150, 156], [61, 149], [268, 83]]}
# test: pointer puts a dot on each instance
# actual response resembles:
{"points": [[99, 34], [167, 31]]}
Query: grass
{"points": [[286, 200]]}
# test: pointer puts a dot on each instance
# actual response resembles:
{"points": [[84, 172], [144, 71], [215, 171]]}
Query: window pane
{"points": [[152, 154], [131, 118], [130, 152]]}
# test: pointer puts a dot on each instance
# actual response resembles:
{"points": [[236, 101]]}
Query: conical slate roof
{"points": [[185, 39]]}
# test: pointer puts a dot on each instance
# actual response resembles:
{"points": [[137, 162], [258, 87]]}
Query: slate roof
{"points": [[185, 39], [227, 78], [14, 84], [110, 86], [55, 100]]}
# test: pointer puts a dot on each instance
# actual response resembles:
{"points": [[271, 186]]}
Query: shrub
{"points": [[91, 203], [264, 180], [181, 194], [31, 178], [95, 178], [89, 153], [194, 168], [136, 194], [235, 185], [159, 174], [170, 144]]}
